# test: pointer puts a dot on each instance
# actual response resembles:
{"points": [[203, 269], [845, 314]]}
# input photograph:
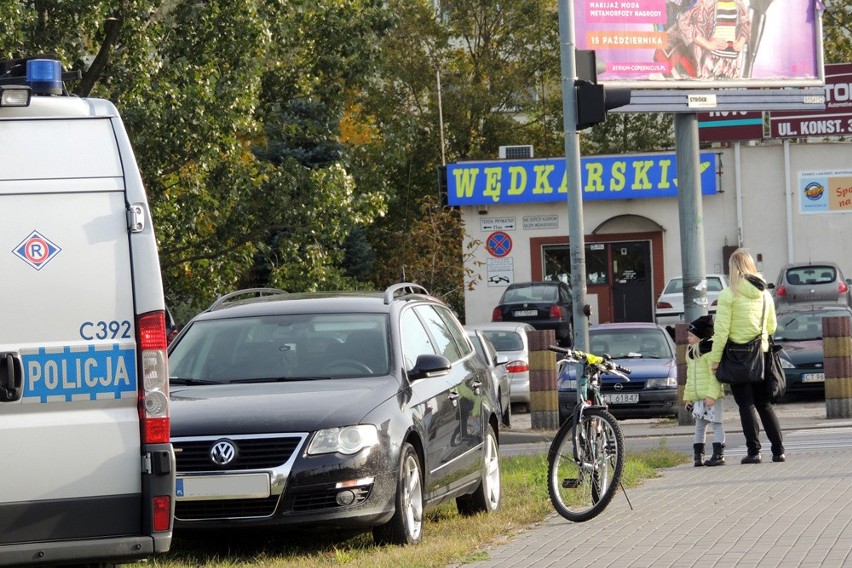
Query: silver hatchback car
{"points": [[811, 282], [510, 339]]}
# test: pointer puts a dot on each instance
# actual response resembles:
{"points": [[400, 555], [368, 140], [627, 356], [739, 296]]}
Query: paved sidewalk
{"points": [[794, 513]]}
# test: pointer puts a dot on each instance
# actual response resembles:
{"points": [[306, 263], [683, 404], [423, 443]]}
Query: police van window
{"points": [[57, 142]]}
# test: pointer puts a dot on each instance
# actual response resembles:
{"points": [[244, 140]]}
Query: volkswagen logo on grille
{"points": [[223, 452], [617, 386]]}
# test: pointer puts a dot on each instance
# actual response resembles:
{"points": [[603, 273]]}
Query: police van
{"points": [[86, 467]]}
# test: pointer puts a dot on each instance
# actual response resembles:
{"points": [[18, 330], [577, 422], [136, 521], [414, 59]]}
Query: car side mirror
{"points": [[770, 285], [429, 365]]}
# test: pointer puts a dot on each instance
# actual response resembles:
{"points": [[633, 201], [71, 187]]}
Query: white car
{"points": [[670, 308], [510, 339]]}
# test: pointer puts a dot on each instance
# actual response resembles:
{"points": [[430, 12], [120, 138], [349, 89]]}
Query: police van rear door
{"points": [[70, 441]]}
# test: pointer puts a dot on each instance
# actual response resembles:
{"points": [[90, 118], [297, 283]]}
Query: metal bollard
{"points": [[684, 418], [544, 398], [837, 358]]}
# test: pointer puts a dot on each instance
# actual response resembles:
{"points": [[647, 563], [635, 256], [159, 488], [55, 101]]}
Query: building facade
{"points": [[786, 202]]}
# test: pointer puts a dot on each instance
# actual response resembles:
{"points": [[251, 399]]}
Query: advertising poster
{"points": [[703, 43], [825, 191]]}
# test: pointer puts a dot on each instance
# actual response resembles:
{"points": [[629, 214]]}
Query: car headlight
{"points": [[661, 383], [786, 364], [346, 440]]}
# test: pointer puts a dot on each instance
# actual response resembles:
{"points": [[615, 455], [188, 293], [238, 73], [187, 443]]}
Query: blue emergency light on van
{"points": [[44, 76]]}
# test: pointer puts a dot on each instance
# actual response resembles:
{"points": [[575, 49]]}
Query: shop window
{"points": [[557, 263]]}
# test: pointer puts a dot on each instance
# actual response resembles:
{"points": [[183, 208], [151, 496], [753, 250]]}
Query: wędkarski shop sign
{"points": [[835, 120]]}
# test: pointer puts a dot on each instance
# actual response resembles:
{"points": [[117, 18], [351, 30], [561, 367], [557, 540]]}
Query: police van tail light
{"points": [[154, 395], [162, 513]]}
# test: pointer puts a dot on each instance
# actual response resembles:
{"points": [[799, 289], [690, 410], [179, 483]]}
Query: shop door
{"points": [[632, 288]]}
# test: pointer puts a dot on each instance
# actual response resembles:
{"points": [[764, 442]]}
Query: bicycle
{"points": [[586, 457]]}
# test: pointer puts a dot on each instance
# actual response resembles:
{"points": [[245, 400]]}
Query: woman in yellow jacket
{"points": [[745, 310]]}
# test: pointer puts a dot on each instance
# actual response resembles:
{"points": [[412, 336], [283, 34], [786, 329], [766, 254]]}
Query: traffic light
{"points": [[594, 100]]}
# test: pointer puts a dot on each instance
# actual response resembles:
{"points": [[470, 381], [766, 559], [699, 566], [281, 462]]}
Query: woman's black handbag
{"points": [[773, 373], [741, 362]]}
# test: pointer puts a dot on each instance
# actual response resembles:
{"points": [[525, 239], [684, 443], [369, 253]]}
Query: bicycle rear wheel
{"points": [[581, 491]]}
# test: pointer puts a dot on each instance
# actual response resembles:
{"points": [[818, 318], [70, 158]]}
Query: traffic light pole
{"points": [[572, 172]]}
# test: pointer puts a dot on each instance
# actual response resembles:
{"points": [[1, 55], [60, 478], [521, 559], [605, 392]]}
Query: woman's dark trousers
{"points": [[752, 400]]}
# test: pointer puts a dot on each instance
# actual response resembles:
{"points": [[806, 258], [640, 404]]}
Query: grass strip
{"points": [[448, 538]]}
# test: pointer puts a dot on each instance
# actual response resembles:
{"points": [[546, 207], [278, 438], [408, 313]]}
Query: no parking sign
{"points": [[498, 244]]}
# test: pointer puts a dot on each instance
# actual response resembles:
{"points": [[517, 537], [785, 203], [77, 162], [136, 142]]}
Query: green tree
{"points": [[837, 31], [215, 96]]}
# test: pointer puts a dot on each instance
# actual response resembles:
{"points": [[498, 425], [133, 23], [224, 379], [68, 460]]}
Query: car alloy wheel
{"points": [[406, 525], [486, 498]]}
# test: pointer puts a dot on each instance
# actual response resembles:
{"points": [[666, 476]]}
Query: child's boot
{"points": [[718, 457], [698, 450]]}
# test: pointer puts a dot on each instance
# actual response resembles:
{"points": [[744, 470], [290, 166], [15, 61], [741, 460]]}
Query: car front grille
{"points": [[253, 453], [225, 509], [631, 386]]}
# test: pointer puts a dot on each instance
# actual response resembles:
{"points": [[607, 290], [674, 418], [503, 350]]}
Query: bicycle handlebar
{"points": [[605, 363]]}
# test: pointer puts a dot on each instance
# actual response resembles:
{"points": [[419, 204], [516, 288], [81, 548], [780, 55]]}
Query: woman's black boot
{"points": [[718, 457], [698, 453]]}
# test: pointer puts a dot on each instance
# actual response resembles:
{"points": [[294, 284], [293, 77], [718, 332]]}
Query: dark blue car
{"points": [[649, 352]]}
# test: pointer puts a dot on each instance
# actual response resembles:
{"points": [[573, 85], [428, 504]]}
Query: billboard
{"points": [[636, 176], [825, 191], [835, 120], [703, 43]]}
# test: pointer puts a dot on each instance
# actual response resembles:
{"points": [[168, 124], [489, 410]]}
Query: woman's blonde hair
{"points": [[740, 265]]}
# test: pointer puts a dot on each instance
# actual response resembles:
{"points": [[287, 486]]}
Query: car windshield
{"points": [[675, 285], [630, 343], [803, 326], [505, 340], [811, 275], [282, 347], [531, 293]]}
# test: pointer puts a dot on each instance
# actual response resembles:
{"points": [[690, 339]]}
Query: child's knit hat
{"points": [[702, 327]]}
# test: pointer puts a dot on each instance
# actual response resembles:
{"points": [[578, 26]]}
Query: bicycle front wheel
{"points": [[580, 489]]}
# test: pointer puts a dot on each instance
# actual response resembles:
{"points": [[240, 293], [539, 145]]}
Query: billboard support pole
{"points": [[691, 216], [572, 172]]}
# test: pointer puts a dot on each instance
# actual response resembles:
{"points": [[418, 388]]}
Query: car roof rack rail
{"points": [[403, 288], [258, 292]]}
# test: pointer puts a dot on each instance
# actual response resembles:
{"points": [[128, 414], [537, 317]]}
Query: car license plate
{"points": [[813, 378], [524, 313], [240, 486], [631, 398]]}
